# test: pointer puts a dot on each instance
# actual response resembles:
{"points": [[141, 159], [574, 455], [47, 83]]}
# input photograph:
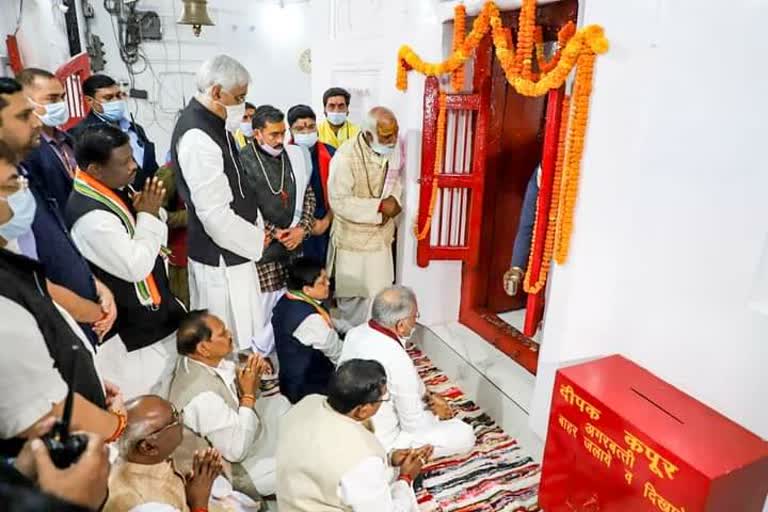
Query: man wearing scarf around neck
{"points": [[122, 236]]}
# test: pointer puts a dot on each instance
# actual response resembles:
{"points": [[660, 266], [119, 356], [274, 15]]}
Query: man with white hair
{"points": [[412, 417], [364, 191], [224, 238]]}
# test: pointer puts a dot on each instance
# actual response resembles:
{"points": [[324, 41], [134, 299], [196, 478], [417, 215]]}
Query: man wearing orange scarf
{"points": [[121, 234]]}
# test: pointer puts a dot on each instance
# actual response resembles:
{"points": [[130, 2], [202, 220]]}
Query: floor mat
{"points": [[498, 475]]}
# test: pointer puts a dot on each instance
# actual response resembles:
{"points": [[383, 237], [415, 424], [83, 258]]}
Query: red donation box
{"points": [[622, 440]]}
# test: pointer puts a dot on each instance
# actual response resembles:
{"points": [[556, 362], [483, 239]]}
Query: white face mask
{"points": [[336, 118], [56, 114], [307, 140], [235, 114]]}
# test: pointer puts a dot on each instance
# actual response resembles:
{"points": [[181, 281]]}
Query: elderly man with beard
{"points": [[364, 191]]}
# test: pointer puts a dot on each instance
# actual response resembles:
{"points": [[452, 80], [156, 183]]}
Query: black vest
{"points": [[201, 247], [138, 326], [304, 370], [22, 281]]}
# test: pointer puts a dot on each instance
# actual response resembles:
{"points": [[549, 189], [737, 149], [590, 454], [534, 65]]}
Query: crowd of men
{"points": [[261, 246]]}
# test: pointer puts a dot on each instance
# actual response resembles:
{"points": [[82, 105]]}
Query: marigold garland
{"points": [[459, 34], [576, 49], [549, 241], [439, 154], [582, 89]]}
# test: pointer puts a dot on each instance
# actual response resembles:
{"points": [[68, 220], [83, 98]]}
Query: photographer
{"points": [[33, 482]]}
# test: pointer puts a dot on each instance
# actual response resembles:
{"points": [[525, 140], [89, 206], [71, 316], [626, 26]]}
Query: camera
{"points": [[63, 447]]}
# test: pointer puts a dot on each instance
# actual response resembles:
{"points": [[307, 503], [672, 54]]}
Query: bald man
{"points": [[145, 478], [364, 191]]}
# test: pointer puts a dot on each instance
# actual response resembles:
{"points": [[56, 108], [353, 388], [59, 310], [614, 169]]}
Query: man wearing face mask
{"points": [[244, 134], [223, 238], [364, 190], [279, 175], [109, 106], [50, 169], [303, 124], [336, 128], [413, 416]]}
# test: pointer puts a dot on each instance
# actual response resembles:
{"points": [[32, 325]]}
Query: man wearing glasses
{"points": [[413, 417], [145, 475]]}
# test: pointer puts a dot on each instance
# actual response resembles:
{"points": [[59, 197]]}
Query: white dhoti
{"points": [[139, 372], [450, 437], [360, 276], [261, 464], [231, 293]]}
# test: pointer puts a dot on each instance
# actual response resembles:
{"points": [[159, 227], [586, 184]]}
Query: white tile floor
{"points": [[494, 381], [517, 320]]}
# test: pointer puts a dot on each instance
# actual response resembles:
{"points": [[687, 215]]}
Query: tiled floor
{"points": [[496, 383]]}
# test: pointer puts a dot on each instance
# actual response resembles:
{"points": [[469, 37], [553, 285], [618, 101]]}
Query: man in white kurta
{"points": [[225, 236], [410, 418], [365, 197]]}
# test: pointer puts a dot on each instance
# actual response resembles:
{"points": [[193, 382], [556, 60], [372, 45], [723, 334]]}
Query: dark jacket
{"points": [[148, 166], [47, 169]]}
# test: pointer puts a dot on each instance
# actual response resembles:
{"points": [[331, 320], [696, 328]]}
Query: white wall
{"points": [[672, 211], [266, 38], [354, 45], [38, 17]]}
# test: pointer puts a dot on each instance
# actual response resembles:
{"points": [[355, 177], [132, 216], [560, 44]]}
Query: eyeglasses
{"points": [[177, 418]]}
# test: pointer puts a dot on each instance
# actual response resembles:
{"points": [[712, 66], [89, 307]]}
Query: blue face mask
{"points": [[336, 118], [247, 129], [307, 140], [114, 110], [381, 149], [56, 114], [22, 204]]}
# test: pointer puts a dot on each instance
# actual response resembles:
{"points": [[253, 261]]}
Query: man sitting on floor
{"points": [[122, 237], [145, 478], [220, 402], [328, 459], [413, 417], [308, 346]]}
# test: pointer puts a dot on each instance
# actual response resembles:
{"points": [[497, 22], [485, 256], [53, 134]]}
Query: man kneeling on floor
{"points": [[220, 403], [145, 479], [307, 343], [327, 457], [413, 416]]}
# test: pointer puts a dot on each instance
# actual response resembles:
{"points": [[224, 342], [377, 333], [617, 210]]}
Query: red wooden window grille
{"points": [[72, 75], [458, 209]]}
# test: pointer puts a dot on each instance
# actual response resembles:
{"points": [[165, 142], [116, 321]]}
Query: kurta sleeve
{"points": [[342, 197], [104, 241], [308, 210], [316, 333], [231, 432], [202, 164], [366, 488], [407, 392]]}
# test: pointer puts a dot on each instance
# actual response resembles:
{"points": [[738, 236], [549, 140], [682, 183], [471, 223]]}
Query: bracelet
{"points": [[122, 422], [200, 510], [407, 479]]}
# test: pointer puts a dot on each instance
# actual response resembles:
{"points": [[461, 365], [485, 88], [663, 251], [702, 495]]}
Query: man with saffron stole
{"points": [[303, 124], [364, 191], [278, 175], [308, 346], [122, 237]]}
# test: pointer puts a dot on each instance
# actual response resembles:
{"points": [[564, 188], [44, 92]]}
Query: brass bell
{"points": [[195, 13]]}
